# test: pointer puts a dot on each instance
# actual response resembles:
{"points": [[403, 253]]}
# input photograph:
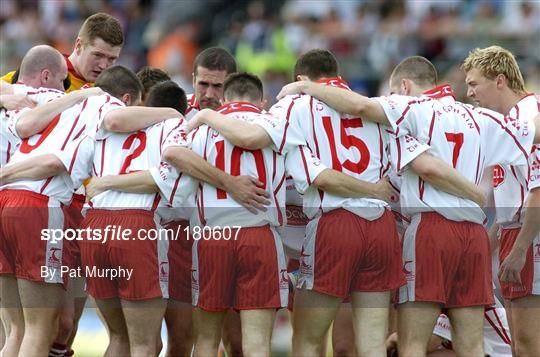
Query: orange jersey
{"points": [[76, 81]]}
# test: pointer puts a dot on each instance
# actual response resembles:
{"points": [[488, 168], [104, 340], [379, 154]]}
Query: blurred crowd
{"points": [[367, 36]]}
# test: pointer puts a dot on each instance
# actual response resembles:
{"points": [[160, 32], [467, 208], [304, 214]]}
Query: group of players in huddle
{"points": [[358, 207]]}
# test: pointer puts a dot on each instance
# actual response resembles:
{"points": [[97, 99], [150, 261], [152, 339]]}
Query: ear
{"points": [[500, 80], [78, 46], [193, 79], [302, 77], [44, 76], [126, 99], [263, 103], [405, 86]]}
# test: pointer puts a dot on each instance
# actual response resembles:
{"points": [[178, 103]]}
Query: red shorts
{"points": [[244, 274], [180, 262], [75, 217], [344, 253], [145, 259], [26, 252], [530, 275], [446, 262]]}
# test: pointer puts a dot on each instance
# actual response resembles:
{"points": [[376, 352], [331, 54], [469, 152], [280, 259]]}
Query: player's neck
{"points": [[508, 100], [75, 63]]}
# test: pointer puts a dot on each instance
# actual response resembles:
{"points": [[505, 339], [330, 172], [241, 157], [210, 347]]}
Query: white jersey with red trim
{"points": [[459, 134], [192, 107], [497, 338], [511, 184], [118, 154], [352, 145], [67, 127], [9, 138], [215, 206]]}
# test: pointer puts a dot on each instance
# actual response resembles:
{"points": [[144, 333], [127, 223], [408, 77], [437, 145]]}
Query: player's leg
{"points": [[370, 318], [80, 302], [343, 343], [231, 335], [178, 318], [467, 330], [113, 317], [525, 325], [41, 308], [257, 328], [416, 321], [312, 316], [143, 320], [12, 315], [207, 327]]}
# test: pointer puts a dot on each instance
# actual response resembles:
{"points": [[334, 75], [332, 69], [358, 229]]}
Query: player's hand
{"points": [[293, 88], [94, 187], [247, 191], [385, 191], [510, 269], [196, 121], [16, 101], [90, 92]]}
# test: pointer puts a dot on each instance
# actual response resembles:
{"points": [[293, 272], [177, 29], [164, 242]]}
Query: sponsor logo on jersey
{"points": [[498, 176]]}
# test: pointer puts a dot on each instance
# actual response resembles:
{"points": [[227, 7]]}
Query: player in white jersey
{"points": [[210, 68], [495, 82], [419, 117], [41, 74], [269, 167], [122, 83], [300, 119]]}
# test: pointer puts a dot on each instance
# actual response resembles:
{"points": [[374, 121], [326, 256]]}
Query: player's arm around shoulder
{"points": [[245, 134], [129, 119]]}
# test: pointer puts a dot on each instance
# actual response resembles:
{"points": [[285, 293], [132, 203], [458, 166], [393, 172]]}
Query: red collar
{"points": [[444, 90], [193, 103], [235, 107], [71, 68], [334, 82]]}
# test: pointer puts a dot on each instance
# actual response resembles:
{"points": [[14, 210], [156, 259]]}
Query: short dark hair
{"points": [[316, 64], [150, 76], [104, 26], [417, 69], [242, 85], [215, 59], [167, 94], [119, 80]]}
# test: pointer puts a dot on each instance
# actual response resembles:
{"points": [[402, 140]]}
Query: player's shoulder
{"points": [[291, 101]]}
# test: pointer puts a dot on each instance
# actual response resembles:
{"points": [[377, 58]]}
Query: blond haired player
{"points": [[450, 129], [494, 81], [97, 47]]}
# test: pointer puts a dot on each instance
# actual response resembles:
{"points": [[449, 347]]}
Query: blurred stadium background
{"points": [[266, 36]]}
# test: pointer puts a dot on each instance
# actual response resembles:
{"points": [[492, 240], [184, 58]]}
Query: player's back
{"points": [[470, 139], [351, 145], [62, 130], [216, 207], [124, 153], [9, 139]]}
